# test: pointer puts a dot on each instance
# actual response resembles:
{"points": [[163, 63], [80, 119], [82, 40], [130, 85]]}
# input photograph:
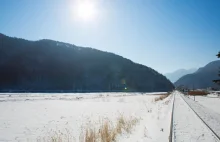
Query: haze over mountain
{"points": [[174, 76], [202, 78], [48, 65]]}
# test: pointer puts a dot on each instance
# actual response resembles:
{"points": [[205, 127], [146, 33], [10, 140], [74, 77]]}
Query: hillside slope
{"points": [[48, 65], [203, 78]]}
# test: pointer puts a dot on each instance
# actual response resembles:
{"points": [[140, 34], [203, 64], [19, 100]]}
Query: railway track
{"points": [[173, 130], [171, 124], [216, 135]]}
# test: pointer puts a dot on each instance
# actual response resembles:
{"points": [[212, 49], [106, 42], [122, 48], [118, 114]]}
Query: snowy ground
{"points": [[212, 102], [29, 117], [63, 96], [208, 114], [187, 126]]}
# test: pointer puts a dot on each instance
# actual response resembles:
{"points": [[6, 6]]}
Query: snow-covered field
{"points": [[63, 96], [32, 117]]}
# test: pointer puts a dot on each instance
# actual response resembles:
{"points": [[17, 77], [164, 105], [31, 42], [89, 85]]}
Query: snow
{"points": [[211, 118], [63, 96], [28, 117], [33, 116], [212, 95], [212, 102], [187, 126]]}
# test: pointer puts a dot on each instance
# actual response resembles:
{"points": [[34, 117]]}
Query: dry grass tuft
{"points": [[90, 135], [161, 97], [109, 132], [125, 124]]}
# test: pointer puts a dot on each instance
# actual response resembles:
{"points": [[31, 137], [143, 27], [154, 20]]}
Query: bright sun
{"points": [[86, 10]]}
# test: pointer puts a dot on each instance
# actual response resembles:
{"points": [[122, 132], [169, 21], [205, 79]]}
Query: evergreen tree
{"points": [[218, 80]]}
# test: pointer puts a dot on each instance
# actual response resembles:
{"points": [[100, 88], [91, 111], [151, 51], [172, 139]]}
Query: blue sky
{"points": [[165, 35]]}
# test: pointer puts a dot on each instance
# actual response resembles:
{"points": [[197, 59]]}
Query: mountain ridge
{"points": [[47, 65], [202, 78], [174, 76]]}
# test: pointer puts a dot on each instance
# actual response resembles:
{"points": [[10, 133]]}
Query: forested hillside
{"points": [[46, 65], [201, 79]]}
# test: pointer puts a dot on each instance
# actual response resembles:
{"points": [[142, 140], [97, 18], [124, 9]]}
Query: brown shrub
{"points": [[161, 97], [197, 93]]}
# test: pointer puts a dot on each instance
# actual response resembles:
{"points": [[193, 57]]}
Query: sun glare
{"points": [[86, 10]]}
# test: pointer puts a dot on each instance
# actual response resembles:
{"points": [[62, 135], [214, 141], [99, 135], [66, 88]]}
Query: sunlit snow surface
{"points": [[187, 126], [211, 101], [26, 117]]}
